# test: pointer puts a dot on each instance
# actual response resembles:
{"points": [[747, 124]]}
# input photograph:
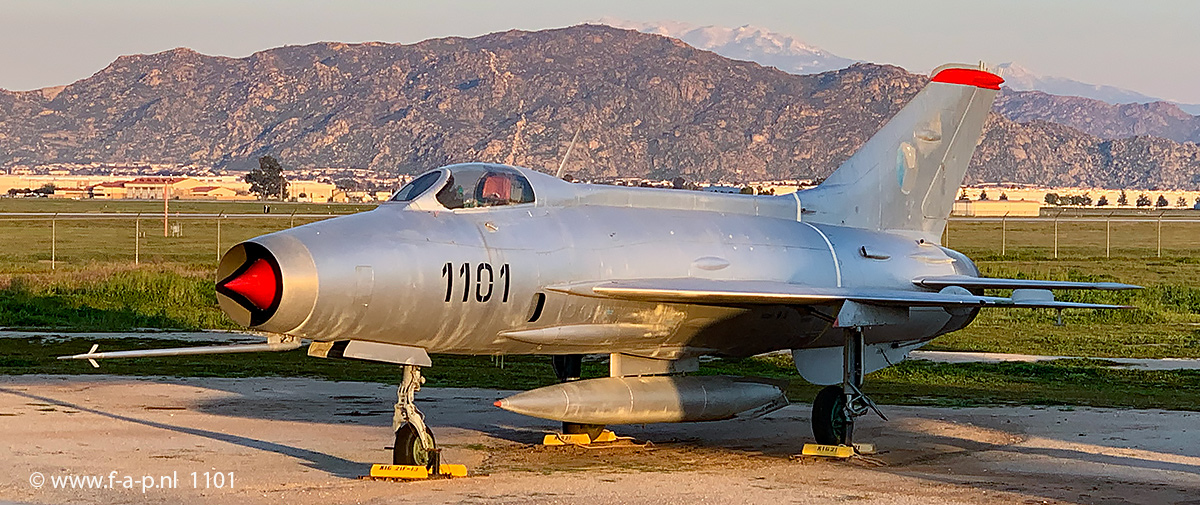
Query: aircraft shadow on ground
{"points": [[332, 464]]}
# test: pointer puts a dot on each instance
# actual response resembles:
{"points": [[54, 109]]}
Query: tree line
{"points": [[1085, 200]]}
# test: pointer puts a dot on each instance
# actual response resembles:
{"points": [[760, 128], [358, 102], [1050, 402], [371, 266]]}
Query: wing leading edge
{"points": [[721, 292]]}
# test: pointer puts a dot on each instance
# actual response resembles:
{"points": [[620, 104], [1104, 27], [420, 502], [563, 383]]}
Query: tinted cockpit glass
{"points": [[473, 186], [416, 187]]}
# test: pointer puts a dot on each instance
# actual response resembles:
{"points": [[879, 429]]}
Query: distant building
{"points": [[152, 188], [216, 193], [73, 193], [113, 190], [311, 191], [996, 208]]}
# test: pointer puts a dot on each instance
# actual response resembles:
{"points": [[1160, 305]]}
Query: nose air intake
{"points": [[256, 285]]}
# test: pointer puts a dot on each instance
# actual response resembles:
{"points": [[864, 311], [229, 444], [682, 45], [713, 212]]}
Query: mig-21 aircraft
{"points": [[487, 259]]}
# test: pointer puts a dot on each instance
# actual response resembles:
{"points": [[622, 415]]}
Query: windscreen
{"points": [[472, 186], [417, 187]]}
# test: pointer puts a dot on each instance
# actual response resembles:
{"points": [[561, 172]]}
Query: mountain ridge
{"points": [[1022, 79], [646, 105], [1099, 118]]}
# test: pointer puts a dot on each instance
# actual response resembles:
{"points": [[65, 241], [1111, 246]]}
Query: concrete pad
{"points": [[300, 441]]}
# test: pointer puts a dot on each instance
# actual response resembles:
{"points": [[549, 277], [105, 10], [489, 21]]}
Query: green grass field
{"points": [[31, 244]]}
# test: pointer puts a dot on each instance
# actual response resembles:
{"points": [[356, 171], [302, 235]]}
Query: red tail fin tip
{"points": [[969, 77]]}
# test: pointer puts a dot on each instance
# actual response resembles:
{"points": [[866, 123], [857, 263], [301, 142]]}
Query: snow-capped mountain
{"points": [[751, 43], [748, 43], [1022, 79]]}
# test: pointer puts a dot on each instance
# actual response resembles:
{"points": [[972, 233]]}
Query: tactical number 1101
{"points": [[485, 281]]}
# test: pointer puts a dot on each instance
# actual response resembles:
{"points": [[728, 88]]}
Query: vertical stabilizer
{"points": [[906, 177]]}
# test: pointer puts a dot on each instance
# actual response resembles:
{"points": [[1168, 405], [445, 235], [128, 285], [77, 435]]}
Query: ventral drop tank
{"points": [[653, 399]]}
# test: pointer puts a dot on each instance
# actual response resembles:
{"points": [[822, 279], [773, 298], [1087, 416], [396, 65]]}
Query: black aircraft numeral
{"points": [[480, 296], [465, 271], [485, 281], [504, 274]]}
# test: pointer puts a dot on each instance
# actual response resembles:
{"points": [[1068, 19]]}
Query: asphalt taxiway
{"points": [[300, 441]]}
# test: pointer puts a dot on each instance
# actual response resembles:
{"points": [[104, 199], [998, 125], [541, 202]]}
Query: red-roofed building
{"points": [[108, 190]]}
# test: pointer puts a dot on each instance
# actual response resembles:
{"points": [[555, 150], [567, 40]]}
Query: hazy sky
{"points": [[1149, 46]]}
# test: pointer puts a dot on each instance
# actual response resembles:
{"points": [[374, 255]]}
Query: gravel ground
{"points": [[302, 441]]}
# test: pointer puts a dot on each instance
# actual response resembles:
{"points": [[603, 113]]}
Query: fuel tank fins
{"points": [[652, 399]]}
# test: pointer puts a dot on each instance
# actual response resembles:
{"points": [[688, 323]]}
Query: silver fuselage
{"points": [[468, 281]]}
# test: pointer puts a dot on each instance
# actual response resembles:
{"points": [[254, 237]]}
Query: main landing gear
{"points": [[569, 367], [414, 442], [836, 407]]}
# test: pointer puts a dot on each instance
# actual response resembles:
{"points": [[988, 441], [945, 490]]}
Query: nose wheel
{"points": [[414, 445]]}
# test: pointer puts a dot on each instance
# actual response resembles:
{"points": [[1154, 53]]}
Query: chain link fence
{"points": [[1075, 236], [34, 241]]}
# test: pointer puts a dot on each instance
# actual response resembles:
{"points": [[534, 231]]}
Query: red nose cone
{"points": [[257, 284]]}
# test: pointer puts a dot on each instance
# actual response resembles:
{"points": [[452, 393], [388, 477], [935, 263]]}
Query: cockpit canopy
{"points": [[471, 185]]}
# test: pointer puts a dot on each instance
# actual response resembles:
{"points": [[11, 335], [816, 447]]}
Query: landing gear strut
{"points": [[836, 407], [414, 442], [569, 367]]}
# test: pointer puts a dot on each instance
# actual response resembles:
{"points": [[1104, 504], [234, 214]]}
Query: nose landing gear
{"points": [[414, 442]]}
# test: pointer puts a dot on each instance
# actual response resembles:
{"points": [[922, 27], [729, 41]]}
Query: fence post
{"points": [[219, 236], [1108, 235], [292, 224], [1056, 234], [1160, 216], [1004, 235], [53, 240], [166, 204], [137, 237]]}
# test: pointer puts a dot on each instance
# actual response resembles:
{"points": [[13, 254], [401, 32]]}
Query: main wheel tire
{"points": [[593, 431], [409, 449], [829, 419]]}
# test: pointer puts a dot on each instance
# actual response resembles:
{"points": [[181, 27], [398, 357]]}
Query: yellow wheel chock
{"points": [[838, 451], [414, 472], [581, 439]]}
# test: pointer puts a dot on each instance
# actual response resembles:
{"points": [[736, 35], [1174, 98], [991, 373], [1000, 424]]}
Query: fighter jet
{"points": [[487, 259]]}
